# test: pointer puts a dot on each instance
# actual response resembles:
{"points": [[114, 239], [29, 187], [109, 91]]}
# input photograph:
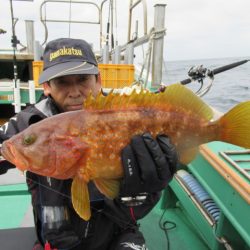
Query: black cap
{"points": [[67, 56]]}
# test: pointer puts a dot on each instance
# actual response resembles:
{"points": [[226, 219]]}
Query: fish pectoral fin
{"points": [[80, 198], [187, 155], [110, 188]]}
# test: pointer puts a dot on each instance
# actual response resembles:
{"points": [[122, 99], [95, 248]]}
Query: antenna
{"points": [[14, 42]]}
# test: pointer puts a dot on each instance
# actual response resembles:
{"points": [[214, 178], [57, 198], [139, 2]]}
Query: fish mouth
{"points": [[12, 155], [6, 152]]}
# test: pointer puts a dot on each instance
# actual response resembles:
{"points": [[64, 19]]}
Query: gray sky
{"points": [[195, 28]]}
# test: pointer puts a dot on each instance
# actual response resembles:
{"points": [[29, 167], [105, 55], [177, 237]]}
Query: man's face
{"points": [[69, 92]]}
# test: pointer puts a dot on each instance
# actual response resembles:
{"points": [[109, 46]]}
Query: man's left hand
{"points": [[149, 165]]}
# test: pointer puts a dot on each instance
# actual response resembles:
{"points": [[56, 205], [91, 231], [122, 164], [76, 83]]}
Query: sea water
{"points": [[229, 87]]}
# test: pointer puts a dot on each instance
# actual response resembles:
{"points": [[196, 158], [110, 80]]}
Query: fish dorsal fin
{"points": [[175, 96], [80, 198]]}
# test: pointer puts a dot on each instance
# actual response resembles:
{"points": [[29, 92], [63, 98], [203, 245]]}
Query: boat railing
{"points": [[113, 54], [44, 19], [132, 5], [115, 60]]}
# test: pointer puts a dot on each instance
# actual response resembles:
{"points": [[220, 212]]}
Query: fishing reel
{"points": [[2, 31], [198, 73], [132, 201]]}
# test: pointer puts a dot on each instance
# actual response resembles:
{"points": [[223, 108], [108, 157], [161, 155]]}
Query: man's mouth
{"points": [[75, 107]]}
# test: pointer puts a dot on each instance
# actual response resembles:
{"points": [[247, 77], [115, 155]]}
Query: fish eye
{"points": [[29, 139]]}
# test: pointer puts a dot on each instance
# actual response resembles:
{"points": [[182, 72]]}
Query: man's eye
{"points": [[29, 139], [62, 83], [84, 78]]}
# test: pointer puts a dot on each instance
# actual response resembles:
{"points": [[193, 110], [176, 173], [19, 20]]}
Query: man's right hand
{"points": [[4, 165], [2, 169]]}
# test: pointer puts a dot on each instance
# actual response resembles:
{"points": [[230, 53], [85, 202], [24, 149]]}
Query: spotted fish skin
{"points": [[108, 132]]}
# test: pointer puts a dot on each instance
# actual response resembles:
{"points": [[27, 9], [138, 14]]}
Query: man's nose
{"points": [[74, 90]]}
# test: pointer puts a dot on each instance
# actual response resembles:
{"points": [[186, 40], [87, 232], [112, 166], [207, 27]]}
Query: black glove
{"points": [[5, 166], [148, 164]]}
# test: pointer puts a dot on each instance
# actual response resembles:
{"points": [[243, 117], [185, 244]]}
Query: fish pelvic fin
{"points": [[80, 198], [109, 187], [175, 96], [235, 125]]}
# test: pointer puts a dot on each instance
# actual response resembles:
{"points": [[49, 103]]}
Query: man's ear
{"points": [[98, 82], [46, 88], [99, 78]]}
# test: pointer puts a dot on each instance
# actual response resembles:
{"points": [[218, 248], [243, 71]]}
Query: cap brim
{"points": [[67, 68]]}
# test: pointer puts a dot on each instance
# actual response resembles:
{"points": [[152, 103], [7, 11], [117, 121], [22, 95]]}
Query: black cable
{"points": [[121, 220], [108, 25], [201, 86], [112, 25], [165, 226]]}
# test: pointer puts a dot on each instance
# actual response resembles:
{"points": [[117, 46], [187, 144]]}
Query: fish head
{"points": [[46, 150], [26, 149]]}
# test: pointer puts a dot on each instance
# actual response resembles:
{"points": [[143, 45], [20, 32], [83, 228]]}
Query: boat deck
{"points": [[179, 233], [17, 221], [188, 221]]}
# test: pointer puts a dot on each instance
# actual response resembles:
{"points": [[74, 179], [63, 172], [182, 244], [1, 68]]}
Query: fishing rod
{"points": [[2, 31], [199, 73], [14, 42]]}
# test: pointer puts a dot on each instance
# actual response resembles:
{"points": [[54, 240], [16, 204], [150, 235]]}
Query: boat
{"points": [[205, 206]]}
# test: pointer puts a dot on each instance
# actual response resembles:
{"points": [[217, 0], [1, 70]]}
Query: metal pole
{"points": [[17, 97], [32, 92], [158, 43], [30, 35], [38, 51], [105, 54], [132, 5], [129, 55], [129, 19], [117, 55]]}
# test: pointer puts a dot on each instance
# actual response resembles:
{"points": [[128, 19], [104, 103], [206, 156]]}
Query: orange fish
{"points": [[86, 145]]}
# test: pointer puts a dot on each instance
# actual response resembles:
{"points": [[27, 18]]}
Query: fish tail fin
{"points": [[235, 125], [80, 198], [110, 188]]}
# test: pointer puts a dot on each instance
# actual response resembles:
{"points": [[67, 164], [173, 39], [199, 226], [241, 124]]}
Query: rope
{"points": [[153, 35]]}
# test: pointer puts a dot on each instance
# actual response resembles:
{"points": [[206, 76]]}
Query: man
{"points": [[70, 74]]}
